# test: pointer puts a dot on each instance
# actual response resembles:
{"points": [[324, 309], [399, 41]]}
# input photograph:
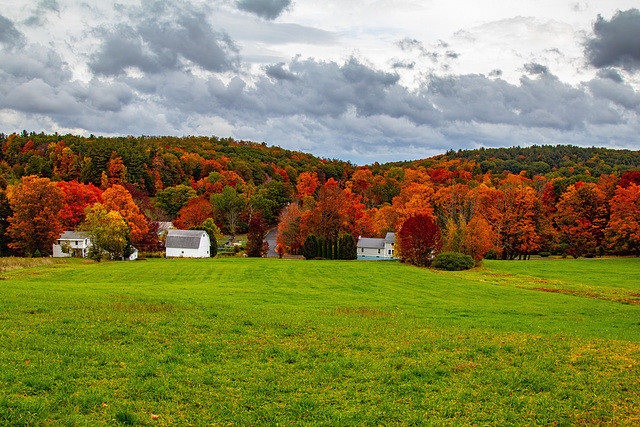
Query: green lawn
{"points": [[289, 342]]}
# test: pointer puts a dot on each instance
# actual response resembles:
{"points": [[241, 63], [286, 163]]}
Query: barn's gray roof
{"points": [[184, 239]]}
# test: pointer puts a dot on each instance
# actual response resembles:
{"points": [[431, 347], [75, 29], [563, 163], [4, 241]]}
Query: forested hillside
{"points": [[505, 202]]}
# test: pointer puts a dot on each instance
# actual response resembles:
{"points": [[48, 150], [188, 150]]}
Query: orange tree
{"points": [[77, 197], [35, 224], [418, 240], [117, 198], [289, 237], [194, 213], [581, 218], [623, 230]]}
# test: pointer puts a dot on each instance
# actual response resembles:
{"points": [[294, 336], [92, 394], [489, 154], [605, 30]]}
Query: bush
{"points": [[453, 261], [492, 254], [544, 254]]}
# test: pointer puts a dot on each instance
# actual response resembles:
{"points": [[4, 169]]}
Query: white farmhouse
{"points": [[187, 244], [72, 243], [77, 244], [370, 248]]}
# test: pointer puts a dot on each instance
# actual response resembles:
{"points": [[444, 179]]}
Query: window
{"points": [[378, 251]]}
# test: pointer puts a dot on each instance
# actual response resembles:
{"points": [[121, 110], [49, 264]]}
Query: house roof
{"points": [[73, 235], [184, 239], [368, 242], [374, 243]]}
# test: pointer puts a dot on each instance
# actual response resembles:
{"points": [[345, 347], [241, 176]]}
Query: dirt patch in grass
{"points": [[137, 306]]}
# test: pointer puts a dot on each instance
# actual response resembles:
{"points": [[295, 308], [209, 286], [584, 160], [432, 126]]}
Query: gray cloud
{"points": [[408, 65], [536, 69], [164, 37], [9, 35], [278, 72], [39, 15], [408, 44], [611, 74], [616, 42], [614, 89], [267, 9], [191, 81]]}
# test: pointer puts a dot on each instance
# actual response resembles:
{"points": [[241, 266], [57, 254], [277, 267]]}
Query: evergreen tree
{"points": [[310, 248], [348, 248], [256, 235]]}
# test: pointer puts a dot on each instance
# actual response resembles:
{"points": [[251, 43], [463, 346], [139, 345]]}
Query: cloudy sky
{"points": [[356, 80]]}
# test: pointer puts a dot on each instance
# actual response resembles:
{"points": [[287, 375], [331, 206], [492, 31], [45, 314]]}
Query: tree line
{"points": [[579, 202]]}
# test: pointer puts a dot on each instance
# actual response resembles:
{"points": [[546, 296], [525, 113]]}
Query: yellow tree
{"points": [[35, 224], [108, 231]]}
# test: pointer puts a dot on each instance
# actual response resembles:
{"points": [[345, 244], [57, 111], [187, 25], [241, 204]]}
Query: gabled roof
{"points": [[374, 243], [184, 239], [367, 242], [73, 235]]}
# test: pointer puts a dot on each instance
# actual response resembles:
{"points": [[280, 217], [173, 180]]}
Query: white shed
{"points": [[187, 244], [372, 248]]}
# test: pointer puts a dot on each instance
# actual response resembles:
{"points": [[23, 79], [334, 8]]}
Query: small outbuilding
{"points": [[187, 244], [372, 248]]}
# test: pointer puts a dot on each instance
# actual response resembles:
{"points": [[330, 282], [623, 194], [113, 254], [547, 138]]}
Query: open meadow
{"points": [[229, 341]]}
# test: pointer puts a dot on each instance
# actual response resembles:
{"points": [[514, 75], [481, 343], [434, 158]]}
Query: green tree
{"points": [[347, 247], [214, 234], [5, 213], [173, 199], [230, 205], [310, 248]]}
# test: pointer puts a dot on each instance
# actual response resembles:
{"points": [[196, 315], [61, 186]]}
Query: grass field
{"points": [[288, 342]]}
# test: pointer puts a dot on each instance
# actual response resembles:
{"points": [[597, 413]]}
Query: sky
{"points": [[364, 81]]}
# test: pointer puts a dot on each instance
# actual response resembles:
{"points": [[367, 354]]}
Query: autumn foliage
{"points": [[35, 224], [511, 203], [418, 240]]}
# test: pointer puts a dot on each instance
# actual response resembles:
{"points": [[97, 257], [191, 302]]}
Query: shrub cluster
{"points": [[453, 261]]}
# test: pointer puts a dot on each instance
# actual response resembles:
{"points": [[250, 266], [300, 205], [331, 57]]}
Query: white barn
{"points": [[370, 248], [187, 244]]}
